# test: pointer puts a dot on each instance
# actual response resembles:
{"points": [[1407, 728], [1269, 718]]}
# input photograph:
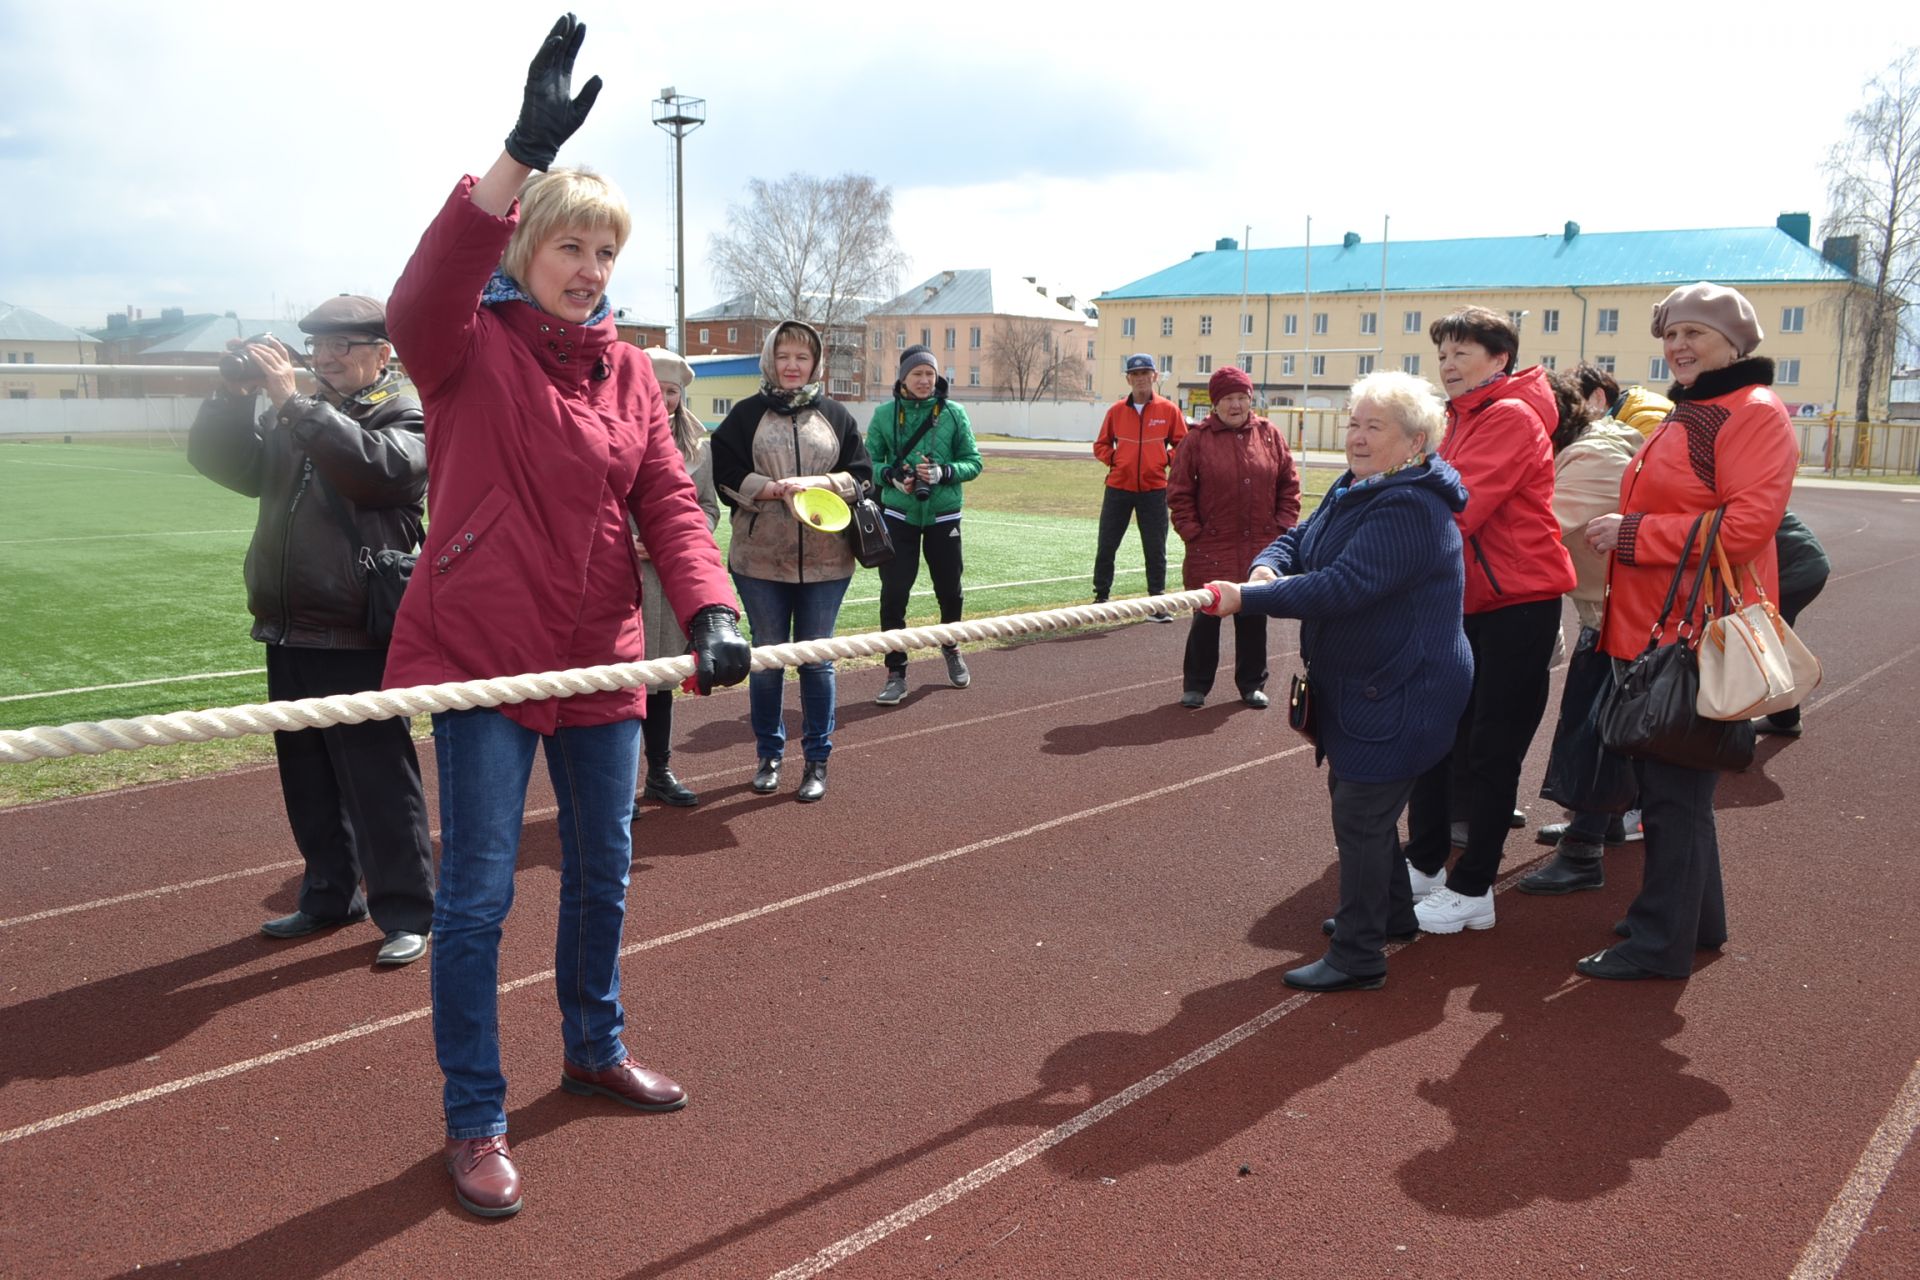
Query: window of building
{"points": [[1516, 319], [973, 340], [1246, 326], [1166, 364], [973, 375], [1369, 322], [733, 334], [69, 394], [1246, 364], [1607, 320], [1319, 366], [1410, 322], [13, 357], [703, 336], [1548, 363], [1206, 326], [899, 339], [1603, 363], [1363, 365], [1410, 364], [1319, 322], [1786, 372], [1289, 325], [1089, 383], [31, 357], [16, 395], [1205, 365], [842, 387], [1657, 370], [879, 340], [1089, 348], [1550, 321], [952, 337], [1286, 366], [1126, 328], [721, 408], [1166, 326], [1793, 320], [926, 337]]}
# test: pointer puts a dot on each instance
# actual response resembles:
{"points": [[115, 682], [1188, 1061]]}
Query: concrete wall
{"points": [[170, 416]]}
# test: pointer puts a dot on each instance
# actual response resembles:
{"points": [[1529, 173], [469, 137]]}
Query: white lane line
{"points": [[546, 975], [1873, 568], [139, 894], [111, 537], [1857, 681], [1827, 1252], [132, 684], [840, 1250], [130, 471], [970, 588]]}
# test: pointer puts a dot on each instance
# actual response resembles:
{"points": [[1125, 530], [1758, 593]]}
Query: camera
{"points": [[922, 491], [239, 365]]}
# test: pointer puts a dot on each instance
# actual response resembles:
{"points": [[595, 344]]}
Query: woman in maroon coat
{"points": [[1232, 489], [544, 435]]}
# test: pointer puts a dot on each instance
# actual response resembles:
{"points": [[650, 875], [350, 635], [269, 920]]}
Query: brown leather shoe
{"points": [[627, 1083], [485, 1180]]}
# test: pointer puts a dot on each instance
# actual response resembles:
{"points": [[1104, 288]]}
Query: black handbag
{"points": [[1300, 709], [867, 531], [1582, 774], [1650, 713]]}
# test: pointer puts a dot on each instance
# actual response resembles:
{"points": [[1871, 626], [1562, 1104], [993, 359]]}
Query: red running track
{"points": [[1007, 1004]]}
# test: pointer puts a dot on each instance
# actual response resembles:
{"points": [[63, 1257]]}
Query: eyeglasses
{"points": [[337, 346]]}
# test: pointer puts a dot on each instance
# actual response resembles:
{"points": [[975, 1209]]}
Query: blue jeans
{"points": [[778, 613], [485, 761]]}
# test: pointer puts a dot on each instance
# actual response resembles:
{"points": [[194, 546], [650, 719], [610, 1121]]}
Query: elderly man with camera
{"points": [[341, 476]]}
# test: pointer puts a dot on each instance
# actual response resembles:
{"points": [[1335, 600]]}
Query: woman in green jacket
{"points": [[923, 446]]}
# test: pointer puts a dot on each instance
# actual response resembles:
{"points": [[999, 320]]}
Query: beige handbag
{"points": [[1751, 663]]}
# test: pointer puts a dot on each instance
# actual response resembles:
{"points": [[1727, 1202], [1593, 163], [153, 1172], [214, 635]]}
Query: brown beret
{"points": [[348, 313], [1714, 305]]}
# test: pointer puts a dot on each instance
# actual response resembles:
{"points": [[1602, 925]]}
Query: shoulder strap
{"points": [[916, 437]]}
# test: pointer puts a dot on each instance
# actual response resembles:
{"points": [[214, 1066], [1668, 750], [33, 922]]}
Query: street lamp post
{"points": [[679, 115]]}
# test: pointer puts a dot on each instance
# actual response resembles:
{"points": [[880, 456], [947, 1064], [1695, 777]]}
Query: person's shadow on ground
{"points": [[1170, 723]]}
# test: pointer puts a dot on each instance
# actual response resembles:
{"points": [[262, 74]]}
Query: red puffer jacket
{"points": [[533, 464], [1231, 491], [1728, 442], [1500, 441]]}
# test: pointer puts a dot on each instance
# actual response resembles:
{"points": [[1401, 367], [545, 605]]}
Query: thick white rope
{"points": [[20, 745]]}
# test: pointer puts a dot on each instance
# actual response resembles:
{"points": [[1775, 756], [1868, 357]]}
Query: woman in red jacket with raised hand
{"points": [[1727, 443], [1499, 425], [1232, 488], [544, 435]]}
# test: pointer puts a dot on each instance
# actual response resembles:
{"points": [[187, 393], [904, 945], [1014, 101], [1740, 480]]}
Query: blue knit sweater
{"points": [[1375, 577]]}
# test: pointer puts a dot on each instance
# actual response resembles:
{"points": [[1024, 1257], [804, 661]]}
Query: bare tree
{"points": [[814, 249], [1033, 360], [1873, 185]]}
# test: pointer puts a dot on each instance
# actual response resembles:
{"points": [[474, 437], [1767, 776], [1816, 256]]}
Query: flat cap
{"points": [[348, 313]]}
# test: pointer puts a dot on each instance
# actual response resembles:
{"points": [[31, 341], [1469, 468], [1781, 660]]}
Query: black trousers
{"points": [[940, 544], [1681, 905], [1791, 603], [1249, 652], [1116, 509], [1512, 655], [657, 728], [353, 796], [1376, 898]]}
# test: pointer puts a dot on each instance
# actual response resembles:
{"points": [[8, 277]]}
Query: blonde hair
{"points": [[553, 201], [1412, 401]]}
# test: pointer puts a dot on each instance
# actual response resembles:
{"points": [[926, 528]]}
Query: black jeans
{"points": [[1791, 603], [1681, 906], [1118, 507], [1376, 898], [1249, 652], [657, 728], [353, 796], [940, 543], [1512, 654]]}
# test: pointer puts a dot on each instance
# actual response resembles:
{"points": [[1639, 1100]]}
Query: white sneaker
{"points": [[1630, 823], [1424, 884], [1444, 911]]}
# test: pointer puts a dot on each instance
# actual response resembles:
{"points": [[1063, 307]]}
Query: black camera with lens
{"points": [[921, 489], [239, 365]]}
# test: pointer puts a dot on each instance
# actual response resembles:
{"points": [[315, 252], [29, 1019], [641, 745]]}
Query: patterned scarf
{"points": [[503, 288], [790, 402]]}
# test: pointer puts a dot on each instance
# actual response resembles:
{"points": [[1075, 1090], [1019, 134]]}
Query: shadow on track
{"points": [[1156, 725]]}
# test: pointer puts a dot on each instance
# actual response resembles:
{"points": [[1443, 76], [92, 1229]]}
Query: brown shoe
{"points": [[485, 1180], [627, 1083]]}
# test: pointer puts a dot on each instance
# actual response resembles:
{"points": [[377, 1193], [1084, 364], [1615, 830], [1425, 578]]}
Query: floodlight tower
{"points": [[679, 115]]}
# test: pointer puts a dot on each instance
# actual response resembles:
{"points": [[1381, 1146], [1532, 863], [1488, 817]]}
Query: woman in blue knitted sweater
{"points": [[1375, 576]]}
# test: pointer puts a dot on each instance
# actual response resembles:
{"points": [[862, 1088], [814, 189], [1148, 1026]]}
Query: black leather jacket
{"points": [[312, 466]]}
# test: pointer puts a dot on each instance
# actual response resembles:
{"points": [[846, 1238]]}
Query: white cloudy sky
{"points": [[251, 157]]}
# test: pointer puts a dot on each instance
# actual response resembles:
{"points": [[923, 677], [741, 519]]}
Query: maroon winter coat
{"points": [[1231, 491], [533, 464]]}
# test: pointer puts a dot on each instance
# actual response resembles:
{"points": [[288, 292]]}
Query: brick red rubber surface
{"points": [[1125, 883]]}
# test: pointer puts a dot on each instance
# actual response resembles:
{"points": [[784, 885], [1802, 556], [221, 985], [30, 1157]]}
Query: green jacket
{"points": [[950, 443]]}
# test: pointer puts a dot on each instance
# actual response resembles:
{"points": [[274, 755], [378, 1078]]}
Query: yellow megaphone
{"points": [[822, 509]]}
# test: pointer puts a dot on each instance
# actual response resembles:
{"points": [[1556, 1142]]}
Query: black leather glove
{"points": [[721, 656], [549, 114]]}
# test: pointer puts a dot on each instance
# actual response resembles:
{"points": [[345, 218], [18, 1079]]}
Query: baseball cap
{"points": [[1138, 362]]}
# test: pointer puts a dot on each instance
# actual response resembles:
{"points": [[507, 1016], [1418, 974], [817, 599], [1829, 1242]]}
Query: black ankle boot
{"points": [[1572, 868], [813, 782], [663, 786]]}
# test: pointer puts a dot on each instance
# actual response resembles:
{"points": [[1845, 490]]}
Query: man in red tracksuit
{"points": [[1136, 441]]}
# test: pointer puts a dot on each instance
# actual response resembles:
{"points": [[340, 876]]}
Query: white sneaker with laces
{"points": [[1444, 911], [1424, 884]]}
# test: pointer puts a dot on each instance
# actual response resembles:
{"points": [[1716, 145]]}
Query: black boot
{"points": [[813, 782], [663, 786], [1574, 867], [766, 780]]}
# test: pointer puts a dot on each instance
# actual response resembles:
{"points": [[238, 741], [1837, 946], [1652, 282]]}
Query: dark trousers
{"points": [[657, 728], [1116, 509], [1791, 603], [1681, 905], [1249, 652], [1376, 898], [353, 796], [940, 544], [1512, 653]]}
